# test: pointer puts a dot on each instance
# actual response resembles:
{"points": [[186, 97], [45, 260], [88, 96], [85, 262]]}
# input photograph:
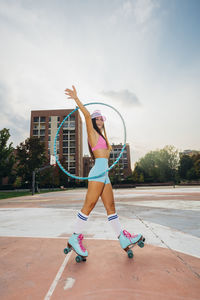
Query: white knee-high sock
{"points": [[80, 222], [115, 224]]}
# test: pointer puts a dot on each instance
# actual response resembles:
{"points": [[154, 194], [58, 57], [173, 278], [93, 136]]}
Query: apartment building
{"points": [[124, 164], [87, 165], [44, 125], [190, 152]]}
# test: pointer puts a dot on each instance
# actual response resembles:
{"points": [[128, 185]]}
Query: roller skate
{"points": [[75, 243], [128, 241]]}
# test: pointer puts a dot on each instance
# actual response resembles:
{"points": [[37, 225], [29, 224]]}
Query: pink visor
{"points": [[97, 113]]}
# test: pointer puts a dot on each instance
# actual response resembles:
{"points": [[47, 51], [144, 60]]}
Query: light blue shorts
{"points": [[100, 166]]}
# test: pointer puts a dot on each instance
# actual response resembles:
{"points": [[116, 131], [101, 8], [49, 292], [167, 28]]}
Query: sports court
{"points": [[34, 231]]}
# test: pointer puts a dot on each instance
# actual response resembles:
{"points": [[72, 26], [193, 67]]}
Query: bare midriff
{"points": [[101, 153]]}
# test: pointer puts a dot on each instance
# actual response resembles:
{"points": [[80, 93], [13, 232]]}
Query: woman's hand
{"points": [[71, 93]]}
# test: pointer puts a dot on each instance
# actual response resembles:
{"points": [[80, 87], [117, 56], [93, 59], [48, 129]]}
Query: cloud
{"points": [[11, 119], [140, 11], [143, 10], [123, 96]]}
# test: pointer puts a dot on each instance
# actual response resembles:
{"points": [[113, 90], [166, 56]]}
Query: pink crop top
{"points": [[101, 144]]}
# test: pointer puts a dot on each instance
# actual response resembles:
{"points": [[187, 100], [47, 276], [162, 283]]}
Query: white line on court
{"points": [[57, 278]]}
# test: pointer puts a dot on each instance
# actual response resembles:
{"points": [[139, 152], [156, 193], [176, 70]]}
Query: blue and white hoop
{"points": [[117, 159]]}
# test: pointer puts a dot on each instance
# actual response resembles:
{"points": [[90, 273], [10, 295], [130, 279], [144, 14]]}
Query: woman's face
{"points": [[99, 122]]}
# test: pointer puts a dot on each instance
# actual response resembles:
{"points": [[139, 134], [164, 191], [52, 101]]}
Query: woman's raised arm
{"points": [[73, 95]]}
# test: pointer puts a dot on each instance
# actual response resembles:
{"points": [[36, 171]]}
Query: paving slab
{"points": [[34, 231]]}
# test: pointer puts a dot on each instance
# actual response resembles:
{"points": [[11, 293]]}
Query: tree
{"points": [[197, 166], [116, 174], [157, 166], [30, 156], [7, 159], [186, 163], [189, 167]]}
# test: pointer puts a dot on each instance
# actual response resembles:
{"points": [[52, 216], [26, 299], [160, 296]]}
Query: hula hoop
{"points": [[117, 159]]}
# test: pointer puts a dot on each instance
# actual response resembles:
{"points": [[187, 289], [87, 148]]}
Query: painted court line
{"points": [[57, 278]]}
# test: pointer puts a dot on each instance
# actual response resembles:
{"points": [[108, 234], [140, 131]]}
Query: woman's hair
{"points": [[103, 136]]}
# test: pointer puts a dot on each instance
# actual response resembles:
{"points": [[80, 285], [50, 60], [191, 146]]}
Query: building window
{"points": [[58, 119], [65, 125], [72, 144], [35, 132], [72, 124], [72, 137], [65, 144], [65, 150], [42, 132], [42, 119], [35, 119], [49, 131], [49, 138], [72, 150], [49, 125], [49, 119], [42, 138], [72, 171]]}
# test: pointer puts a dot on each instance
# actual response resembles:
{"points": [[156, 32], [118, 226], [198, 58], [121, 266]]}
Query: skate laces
{"points": [[80, 238], [128, 235]]}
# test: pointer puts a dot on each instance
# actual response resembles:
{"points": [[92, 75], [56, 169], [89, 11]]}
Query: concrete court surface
{"points": [[34, 232]]}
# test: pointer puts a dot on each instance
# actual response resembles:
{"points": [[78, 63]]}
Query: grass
{"points": [[11, 194]]}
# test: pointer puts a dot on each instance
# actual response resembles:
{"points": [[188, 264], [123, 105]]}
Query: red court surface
{"points": [[29, 267], [34, 268]]}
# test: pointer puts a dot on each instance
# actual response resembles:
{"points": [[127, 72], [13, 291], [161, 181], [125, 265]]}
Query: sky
{"points": [[141, 57]]}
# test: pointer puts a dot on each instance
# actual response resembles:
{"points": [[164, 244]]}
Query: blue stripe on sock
{"points": [[112, 218], [82, 217]]}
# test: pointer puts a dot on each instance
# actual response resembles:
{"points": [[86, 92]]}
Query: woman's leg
{"points": [[124, 236], [108, 201], [95, 189]]}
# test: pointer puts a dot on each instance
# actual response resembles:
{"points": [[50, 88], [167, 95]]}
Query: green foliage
{"points": [[189, 168], [7, 159], [116, 174], [18, 182], [157, 166], [30, 156]]}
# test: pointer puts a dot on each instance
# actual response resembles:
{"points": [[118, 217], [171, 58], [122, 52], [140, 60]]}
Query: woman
{"points": [[100, 149]]}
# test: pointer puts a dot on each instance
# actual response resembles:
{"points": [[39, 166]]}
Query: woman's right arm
{"points": [[73, 95]]}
